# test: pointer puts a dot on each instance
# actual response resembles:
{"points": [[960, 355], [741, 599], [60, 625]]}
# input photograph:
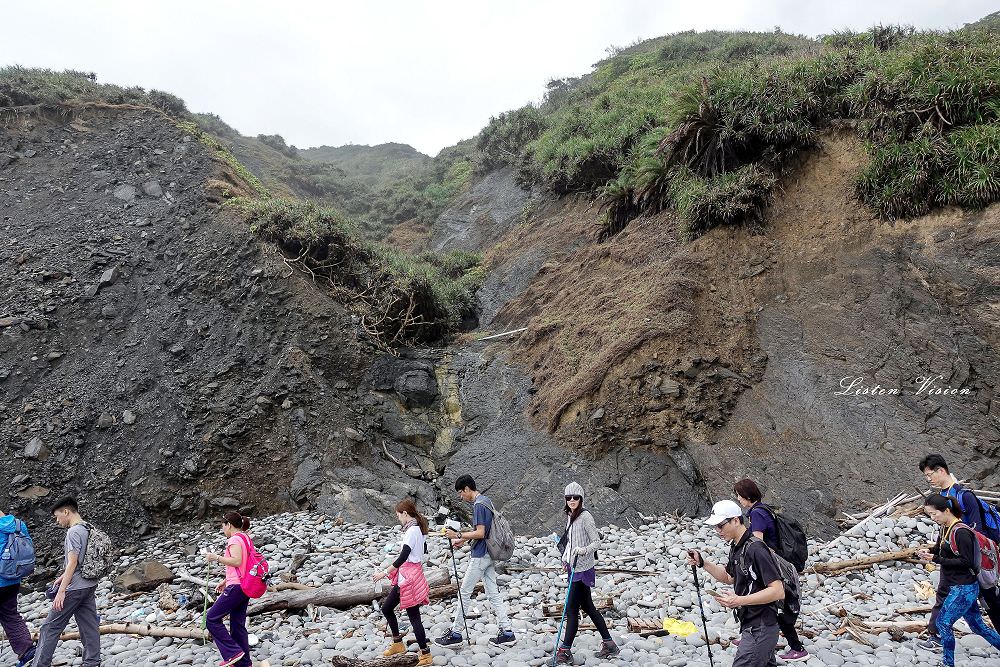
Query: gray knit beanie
{"points": [[574, 489]]}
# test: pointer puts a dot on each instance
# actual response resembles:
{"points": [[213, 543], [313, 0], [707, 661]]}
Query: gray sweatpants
{"points": [[82, 605], [757, 646]]}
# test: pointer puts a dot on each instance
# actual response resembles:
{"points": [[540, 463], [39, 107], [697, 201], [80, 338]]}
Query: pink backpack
{"points": [[255, 571]]}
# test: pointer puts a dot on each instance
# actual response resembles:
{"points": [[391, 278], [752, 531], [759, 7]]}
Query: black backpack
{"points": [[792, 544], [789, 578]]}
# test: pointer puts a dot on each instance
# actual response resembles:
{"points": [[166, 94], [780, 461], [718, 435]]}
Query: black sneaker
{"points": [[608, 648], [449, 639], [932, 643], [505, 638]]}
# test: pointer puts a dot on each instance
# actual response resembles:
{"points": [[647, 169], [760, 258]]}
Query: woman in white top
{"points": [[409, 586]]}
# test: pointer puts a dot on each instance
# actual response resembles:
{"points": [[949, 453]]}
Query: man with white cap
{"points": [[756, 581]]}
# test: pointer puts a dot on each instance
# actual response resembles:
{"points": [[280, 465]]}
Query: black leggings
{"points": [[786, 622], [389, 610], [580, 598]]}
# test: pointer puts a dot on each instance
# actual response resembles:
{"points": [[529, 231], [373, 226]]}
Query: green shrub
{"points": [[504, 138], [728, 198], [399, 298], [21, 86], [167, 102], [213, 124], [909, 178], [277, 142]]}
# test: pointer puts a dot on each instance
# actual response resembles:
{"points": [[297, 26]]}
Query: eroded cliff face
{"points": [[728, 353], [159, 361]]}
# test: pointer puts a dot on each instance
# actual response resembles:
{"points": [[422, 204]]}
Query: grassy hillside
{"points": [[377, 186], [705, 122], [374, 165]]}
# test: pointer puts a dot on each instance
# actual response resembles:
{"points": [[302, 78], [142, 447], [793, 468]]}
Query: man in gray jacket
{"points": [[74, 596]]}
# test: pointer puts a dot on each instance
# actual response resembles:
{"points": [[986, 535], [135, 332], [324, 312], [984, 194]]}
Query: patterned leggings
{"points": [[962, 602]]}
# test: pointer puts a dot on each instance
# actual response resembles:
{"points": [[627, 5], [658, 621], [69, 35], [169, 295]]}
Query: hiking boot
{"points": [[794, 656], [425, 658], [395, 648], [932, 643], [608, 648], [28, 656], [449, 639], [505, 638], [564, 656], [232, 661]]}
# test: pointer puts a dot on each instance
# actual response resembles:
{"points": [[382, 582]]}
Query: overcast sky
{"points": [[368, 71]]}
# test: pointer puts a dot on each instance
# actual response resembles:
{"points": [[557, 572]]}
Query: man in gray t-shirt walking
{"points": [[74, 596]]}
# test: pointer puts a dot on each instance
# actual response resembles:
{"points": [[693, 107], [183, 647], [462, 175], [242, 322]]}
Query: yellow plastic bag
{"points": [[679, 628]]}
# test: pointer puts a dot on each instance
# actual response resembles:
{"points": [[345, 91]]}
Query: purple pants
{"points": [[233, 603], [11, 621]]}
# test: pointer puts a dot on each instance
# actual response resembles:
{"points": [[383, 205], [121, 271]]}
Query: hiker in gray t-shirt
{"points": [[76, 543], [72, 595]]}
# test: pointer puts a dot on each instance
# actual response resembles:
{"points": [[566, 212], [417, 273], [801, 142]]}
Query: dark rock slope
{"points": [[154, 358]]}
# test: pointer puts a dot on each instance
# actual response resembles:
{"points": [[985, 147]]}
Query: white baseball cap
{"points": [[723, 511]]}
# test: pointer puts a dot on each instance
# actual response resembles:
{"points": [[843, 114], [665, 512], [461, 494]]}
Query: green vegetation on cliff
{"points": [[398, 297], [704, 123]]}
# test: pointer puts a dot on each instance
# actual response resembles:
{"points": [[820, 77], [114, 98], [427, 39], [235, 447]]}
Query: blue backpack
{"points": [[991, 518], [18, 558]]}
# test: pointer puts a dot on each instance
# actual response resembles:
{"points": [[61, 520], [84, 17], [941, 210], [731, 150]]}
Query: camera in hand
{"points": [[443, 519]]}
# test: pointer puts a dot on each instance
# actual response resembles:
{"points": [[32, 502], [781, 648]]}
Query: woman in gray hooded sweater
{"points": [[579, 549]]}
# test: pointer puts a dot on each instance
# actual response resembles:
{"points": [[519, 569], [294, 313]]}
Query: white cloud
{"points": [[423, 72]]}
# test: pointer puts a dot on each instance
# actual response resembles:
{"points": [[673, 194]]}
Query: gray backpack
{"points": [[500, 541], [99, 554]]}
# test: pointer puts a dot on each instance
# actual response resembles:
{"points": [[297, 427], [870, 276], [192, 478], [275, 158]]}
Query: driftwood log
{"points": [[451, 590], [600, 570], [400, 660], [865, 561], [140, 629], [339, 596]]}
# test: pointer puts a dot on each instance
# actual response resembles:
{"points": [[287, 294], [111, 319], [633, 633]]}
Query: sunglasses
{"points": [[574, 497]]}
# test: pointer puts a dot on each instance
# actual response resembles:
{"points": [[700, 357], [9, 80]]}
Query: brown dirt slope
{"points": [[732, 348]]}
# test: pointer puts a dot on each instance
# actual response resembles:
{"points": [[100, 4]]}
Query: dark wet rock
{"points": [[145, 576], [416, 387]]}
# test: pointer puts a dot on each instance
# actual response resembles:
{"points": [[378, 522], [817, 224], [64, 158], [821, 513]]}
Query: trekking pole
{"points": [[461, 604], [204, 615], [562, 621], [701, 607]]}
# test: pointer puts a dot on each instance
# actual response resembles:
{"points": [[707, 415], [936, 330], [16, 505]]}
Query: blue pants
{"points": [[233, 603], [962, 602]]}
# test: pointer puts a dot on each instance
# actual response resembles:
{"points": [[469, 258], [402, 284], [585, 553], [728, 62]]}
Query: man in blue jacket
{"points": [[10, 619]]}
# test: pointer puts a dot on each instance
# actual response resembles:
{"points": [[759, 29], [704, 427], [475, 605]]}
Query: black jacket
{"points": [[957, 569]]}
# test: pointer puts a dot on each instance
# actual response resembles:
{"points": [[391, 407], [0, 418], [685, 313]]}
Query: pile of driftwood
{"points": [[903, 504]]}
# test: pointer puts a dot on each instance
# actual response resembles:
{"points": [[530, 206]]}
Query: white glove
{"points": [[579, 551]]}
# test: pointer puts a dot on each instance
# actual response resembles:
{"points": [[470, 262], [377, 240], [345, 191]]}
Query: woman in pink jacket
{"points": [[409, 586]]}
